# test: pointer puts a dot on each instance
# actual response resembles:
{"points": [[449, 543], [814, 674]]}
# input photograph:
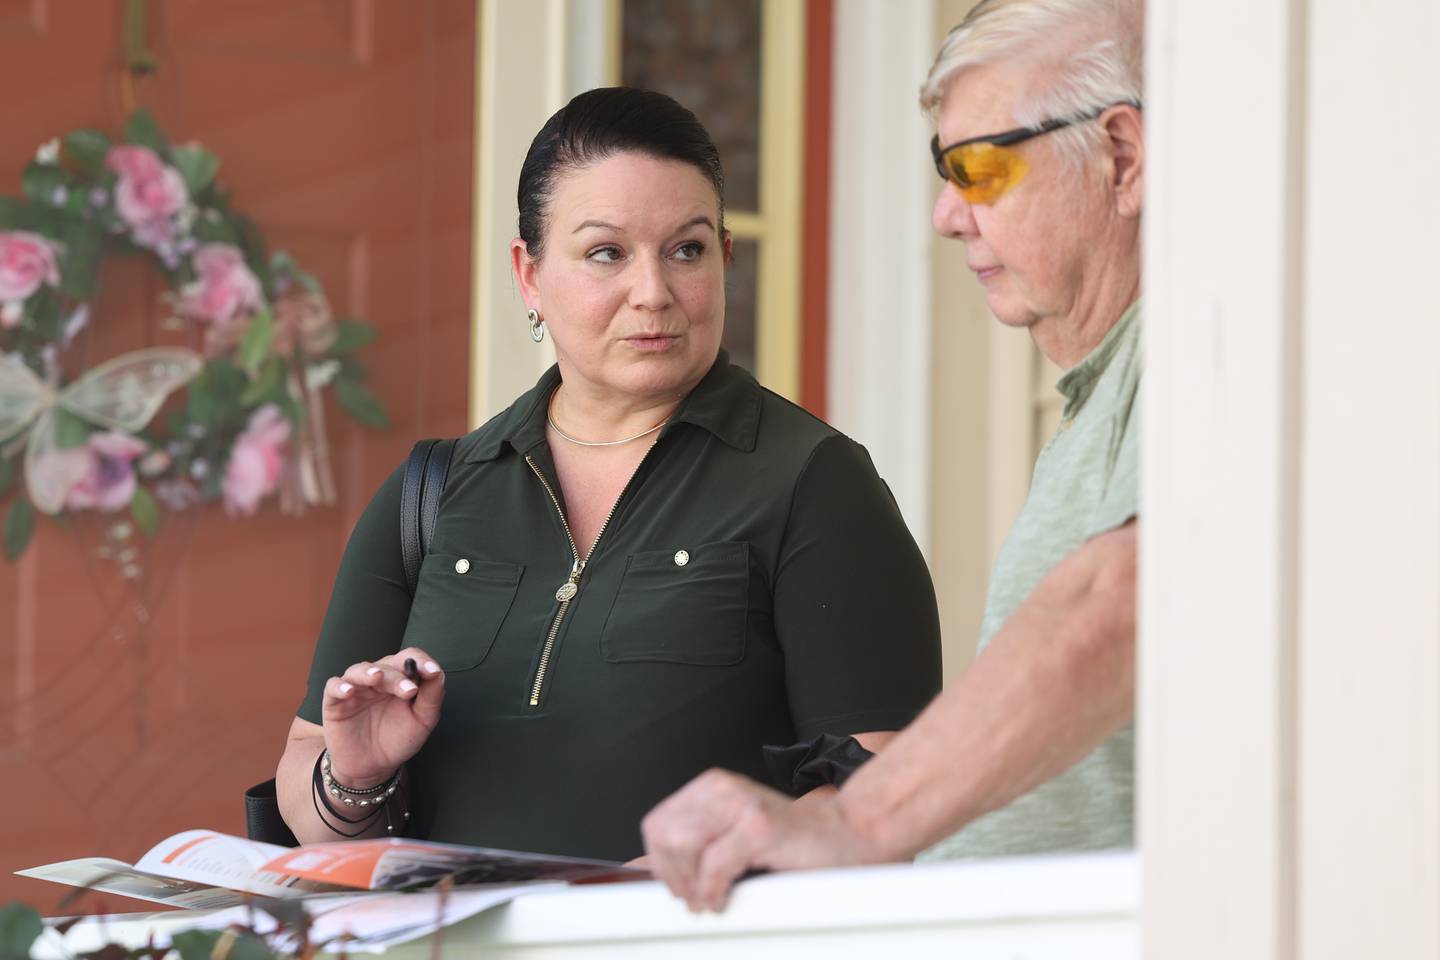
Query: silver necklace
{"points": [[600, 443]]}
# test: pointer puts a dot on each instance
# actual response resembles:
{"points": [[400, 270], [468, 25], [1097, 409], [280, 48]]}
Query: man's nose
{"points": [[952, 216]]}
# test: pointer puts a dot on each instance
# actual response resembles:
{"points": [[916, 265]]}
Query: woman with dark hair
{"points": [[648, 565]]}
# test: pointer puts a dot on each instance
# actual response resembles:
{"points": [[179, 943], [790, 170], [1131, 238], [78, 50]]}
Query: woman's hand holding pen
{"points": [[378, 715]]}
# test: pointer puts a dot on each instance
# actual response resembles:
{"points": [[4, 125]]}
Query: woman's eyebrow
{"points": [[601, 224], [700, 221]]}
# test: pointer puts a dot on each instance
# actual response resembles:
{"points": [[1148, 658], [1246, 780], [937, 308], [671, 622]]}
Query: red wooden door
{"points": [[345, 130]]}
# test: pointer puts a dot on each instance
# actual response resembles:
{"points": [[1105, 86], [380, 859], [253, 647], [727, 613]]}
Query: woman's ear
{"points": [[728, 243], [1125, 127], [524, 269]]}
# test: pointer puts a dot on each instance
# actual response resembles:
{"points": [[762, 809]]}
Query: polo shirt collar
{"points": [[1079, 381], [726, 403]]}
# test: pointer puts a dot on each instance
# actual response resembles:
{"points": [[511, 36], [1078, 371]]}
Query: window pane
{"points": [[705, 54], [740, 304]]}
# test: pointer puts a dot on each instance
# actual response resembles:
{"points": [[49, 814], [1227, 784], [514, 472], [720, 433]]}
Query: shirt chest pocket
{"points": [[681, 606], [459, 605]]}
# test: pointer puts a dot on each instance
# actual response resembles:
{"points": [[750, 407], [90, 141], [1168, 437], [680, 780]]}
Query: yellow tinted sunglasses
{"points": [[985, 168]]}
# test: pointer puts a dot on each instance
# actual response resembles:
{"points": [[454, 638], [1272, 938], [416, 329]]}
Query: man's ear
{"points": [[1124, 125], [524, 269]]}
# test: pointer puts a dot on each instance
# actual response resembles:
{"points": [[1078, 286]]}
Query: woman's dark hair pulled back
{"points": [[595, 126]]}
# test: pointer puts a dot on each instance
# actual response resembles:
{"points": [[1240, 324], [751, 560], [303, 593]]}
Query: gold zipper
{"points": [[566, 592]]}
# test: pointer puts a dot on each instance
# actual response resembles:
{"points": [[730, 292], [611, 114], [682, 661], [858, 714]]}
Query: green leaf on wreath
{"points": [[77, 204], [19, 525], [255, 344], [44, 311], [216, 230], [84, 242], [7, 473], [145, 511], [70, 430], [271, 380], [351, 335], [227, 380], [248, 946], [195, 944], [41, 180], [20, 926], [13, 215], [87, 149], [197, 165], [201, 406], [360, 403], [20, 215], [142, 130], [215, 390]]}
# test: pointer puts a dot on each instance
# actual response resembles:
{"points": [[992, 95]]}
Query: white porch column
{"points": [[522, 55], [880, 193], [1369, 705], [1290, 613]]}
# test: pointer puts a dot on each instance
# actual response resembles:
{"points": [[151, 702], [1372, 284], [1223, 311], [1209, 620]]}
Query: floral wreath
{"points": [[243, 411]]}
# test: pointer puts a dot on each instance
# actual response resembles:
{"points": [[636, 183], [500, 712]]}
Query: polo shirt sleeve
{"points": [[855, 610], [1121, 500], [370, 603]]}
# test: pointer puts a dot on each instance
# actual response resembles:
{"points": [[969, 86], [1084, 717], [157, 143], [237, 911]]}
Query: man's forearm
{"points": [[1056, 681]]}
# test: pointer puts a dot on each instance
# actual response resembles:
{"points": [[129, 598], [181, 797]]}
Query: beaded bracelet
{"points": [[356, 796], [323, 785]]}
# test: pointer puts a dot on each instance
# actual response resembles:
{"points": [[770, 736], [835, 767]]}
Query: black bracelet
{"points": [[317, 789], [319, 781], [334, 829]]}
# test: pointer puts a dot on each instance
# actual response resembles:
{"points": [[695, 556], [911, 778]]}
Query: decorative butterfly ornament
{"points": [[121, 394]]}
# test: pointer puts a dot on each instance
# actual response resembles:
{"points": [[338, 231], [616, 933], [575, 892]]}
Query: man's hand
{"points": [[1057, 680], [720, 825]]}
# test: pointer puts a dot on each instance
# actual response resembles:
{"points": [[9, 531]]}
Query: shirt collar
{"points": [[726, 403], [1079, 381]]}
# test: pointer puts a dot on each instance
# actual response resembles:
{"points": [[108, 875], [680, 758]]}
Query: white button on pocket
{"points": [[682, 557], [462, 565]]}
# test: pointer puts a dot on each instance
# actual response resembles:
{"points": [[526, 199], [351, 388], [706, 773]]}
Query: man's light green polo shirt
{"points": [[1085, 483]]}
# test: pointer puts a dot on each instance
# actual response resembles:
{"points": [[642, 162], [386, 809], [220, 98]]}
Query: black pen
{"points": [[412, 672]]}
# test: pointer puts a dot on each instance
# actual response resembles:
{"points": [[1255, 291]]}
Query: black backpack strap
{"points": [[425, 474], [437, 469]]}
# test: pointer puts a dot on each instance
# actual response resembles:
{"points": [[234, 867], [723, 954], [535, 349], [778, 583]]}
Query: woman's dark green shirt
{"points": [[800, 605]]}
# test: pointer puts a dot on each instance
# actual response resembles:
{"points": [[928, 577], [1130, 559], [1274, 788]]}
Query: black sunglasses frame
{"points": [[1018, 135]]}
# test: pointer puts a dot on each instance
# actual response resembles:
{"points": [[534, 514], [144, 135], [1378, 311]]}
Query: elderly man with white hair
{"points": [[1041, 137]]}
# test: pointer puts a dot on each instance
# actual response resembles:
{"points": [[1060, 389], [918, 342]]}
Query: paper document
{"points": [[202, 869], [393, 863], [113, 876]]}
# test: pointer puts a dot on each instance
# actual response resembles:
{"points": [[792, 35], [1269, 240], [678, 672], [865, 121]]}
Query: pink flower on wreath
{"points": [[256, 461], [148, 194], [55, 473], [109, 485], [224, 290], [27, 260]]}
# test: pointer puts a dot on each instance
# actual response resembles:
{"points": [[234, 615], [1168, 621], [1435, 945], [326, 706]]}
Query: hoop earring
{"points": [[537, 326]]}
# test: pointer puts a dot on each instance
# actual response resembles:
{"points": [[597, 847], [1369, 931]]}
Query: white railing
{"points": [[1074, 907]]}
